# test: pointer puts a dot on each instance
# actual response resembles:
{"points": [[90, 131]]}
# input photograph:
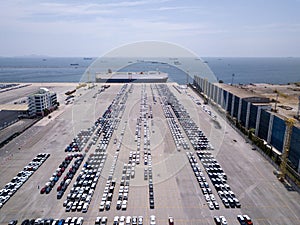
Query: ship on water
{"points": [[132, 77]]}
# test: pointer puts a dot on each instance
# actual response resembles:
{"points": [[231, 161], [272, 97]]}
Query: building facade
{"points": [[42, 102], [253, 113]]}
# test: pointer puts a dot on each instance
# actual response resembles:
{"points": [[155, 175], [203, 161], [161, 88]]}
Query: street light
{"points": [[232, 79], [187, 77]]}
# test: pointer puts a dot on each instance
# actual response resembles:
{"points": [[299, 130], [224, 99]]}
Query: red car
{"points": [[43, 190]]}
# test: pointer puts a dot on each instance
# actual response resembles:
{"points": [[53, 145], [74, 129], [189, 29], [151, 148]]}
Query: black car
{"points": [[13, 222], [217, 220], [48, 189], [151, 203], [25, 222]]}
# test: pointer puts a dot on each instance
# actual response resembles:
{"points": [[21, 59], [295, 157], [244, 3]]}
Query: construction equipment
{"points": [[81, 85], [70, 92], [286, 148]]}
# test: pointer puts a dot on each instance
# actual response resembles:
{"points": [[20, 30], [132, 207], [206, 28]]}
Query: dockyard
{"points": [[135, 139]]}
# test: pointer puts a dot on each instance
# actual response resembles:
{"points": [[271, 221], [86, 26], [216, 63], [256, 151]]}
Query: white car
{"points": [[223, 220], [140, 220], [128, 220], [152, 220], [116, 220], [85, 207], [104, 220], [119, 204], [102, 205], [79, 221], [210, 205], [122, 220], [124, 205]]}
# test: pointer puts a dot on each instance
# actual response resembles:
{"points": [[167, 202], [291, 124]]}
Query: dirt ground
{"points": [[287, 96]]}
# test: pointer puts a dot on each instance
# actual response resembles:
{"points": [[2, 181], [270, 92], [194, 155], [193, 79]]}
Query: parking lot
{"points": [[138, 143]]}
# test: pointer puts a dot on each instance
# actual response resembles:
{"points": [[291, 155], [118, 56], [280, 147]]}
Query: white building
{"points": [[41, 102]]}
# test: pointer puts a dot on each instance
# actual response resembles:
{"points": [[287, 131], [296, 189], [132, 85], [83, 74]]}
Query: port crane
{"points": [[286, 148]]}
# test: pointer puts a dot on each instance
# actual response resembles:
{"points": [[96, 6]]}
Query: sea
{"points": [[240, 70]]}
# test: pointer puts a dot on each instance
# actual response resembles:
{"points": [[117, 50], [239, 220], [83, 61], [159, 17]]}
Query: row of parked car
{"points": [[102, 89], [146, 113], [200, 143], [124, 187], [83, 188], [195, 135], [59, 172], [50, 221], [83, 137], [206, 190], [109, 187], [116, 111], [80, 140], [128, 169], [121, 220], [128, 173], [177, 134], [16, 182], [82, 191], [151, 188], [88, 178], [220, 220], [174, 128], [243, 220], [69, 176], [209, 112], [107, 195], [153, 95], [212, 167], [204, 107], [130, 220], [218, 179]]}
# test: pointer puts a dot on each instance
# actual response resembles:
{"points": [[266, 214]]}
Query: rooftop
{"points": [[287, 96], [239, 91], [14, 107]]}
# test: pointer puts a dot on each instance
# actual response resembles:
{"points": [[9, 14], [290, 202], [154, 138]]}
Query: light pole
{"points": [[277, 94], [232, 79], [187, 77]]}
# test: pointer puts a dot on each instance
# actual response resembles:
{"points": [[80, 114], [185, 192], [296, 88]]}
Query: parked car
{"points": [[13, 222], [152, 220], [171, 220]]}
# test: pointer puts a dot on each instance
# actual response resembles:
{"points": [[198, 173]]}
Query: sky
{"points": [[227, 28]]}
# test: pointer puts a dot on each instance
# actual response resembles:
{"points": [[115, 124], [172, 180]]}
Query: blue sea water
{"points": [[245, 70], [256, 70]]}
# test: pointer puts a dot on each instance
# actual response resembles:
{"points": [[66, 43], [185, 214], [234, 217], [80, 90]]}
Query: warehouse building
{"points": [[253, 112]]}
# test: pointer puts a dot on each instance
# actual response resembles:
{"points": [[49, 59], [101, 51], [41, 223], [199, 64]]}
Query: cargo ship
{"points": [[132, 77]]}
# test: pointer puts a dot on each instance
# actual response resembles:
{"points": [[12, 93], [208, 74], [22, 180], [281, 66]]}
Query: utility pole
{"points": [[187, 78], [275, 110], [89, 81], [298, 113]]}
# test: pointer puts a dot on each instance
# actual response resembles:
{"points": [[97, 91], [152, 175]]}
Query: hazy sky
{"points": [[206, 27]]}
